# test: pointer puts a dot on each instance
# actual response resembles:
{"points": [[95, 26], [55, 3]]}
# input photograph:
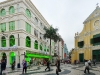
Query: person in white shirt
{"points": [[86, 67], [89, 62]]}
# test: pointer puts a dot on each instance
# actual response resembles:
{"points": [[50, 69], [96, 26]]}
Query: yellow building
{"points": [[87, 43]]}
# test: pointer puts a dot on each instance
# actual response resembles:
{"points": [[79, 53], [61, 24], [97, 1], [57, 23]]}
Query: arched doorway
{"points": [[12, 57], [4, 57]]}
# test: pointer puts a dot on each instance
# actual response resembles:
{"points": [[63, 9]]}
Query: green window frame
{"points": [[41, 46], [28, 13], [28, 41], [36, 44], [11, 25], [28, 27], [45, 48], [2, 12], [11, 40], [81, 44], [11, 10], [3, 41], [3, 27]]}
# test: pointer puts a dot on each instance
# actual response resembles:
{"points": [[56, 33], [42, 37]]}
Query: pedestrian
{"points": [[13, 65], [58, 66], [75, 62], [94, 60], [3, 65], [90, 63], [48, 65], [86, 67], [24, 66]]}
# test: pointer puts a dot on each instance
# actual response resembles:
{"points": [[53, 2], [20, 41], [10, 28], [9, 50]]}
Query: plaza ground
{"points": [[67, 69]]}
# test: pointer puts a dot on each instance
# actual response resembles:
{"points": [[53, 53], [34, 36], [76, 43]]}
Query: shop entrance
{"points": [[12, 57]]}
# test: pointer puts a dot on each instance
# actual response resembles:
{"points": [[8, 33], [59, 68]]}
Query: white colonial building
{"points": [[21, 32]]}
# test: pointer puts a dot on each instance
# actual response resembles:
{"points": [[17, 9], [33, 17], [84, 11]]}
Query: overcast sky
{"points": [[67, 15]]}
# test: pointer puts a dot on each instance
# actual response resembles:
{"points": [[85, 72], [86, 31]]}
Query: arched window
{"points": [[3, 42], [28, 41], [12, 40], [41, 46], [28, 13], [36, 44], [11, 10], [3, 12]]}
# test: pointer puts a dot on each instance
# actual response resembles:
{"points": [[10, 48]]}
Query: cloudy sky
{"points": [[67, 15]]}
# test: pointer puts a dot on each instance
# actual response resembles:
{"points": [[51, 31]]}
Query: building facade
{"points": [[65, 51], [87, 43], [21, 32]]}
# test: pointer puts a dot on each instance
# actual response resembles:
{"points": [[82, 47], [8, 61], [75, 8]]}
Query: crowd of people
{"points": [[27, 64]]}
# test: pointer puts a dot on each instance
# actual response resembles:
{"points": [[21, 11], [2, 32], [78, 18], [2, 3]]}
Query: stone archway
{"points": [[12, 57]]}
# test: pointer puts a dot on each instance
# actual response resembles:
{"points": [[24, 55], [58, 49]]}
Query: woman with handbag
{"points": [[58, 66]]}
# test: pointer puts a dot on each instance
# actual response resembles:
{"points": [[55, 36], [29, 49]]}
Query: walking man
{"points": [[3, 65], [86, 67], [48, 66], [58, 66]]}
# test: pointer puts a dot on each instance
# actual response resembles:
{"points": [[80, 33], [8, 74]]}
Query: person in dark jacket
{"points": [[58, 66], [3, 65], [24, 66], [48, 66], [13, 65]]}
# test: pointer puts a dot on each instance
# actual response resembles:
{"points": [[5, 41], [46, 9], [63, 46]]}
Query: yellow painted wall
{"points": [[88, 27]]}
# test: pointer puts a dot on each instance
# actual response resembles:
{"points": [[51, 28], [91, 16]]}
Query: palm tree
{"points": [[51, 33]]}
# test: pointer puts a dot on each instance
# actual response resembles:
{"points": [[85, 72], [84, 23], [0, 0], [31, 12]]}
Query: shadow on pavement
{"points": [[36, 72], [61, 73], [89, 74], [27, 70]]}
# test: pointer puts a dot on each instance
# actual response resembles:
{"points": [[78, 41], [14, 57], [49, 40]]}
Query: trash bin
{"points": [[18, 65]]}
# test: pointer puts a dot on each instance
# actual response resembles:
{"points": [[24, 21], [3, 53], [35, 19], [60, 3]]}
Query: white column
{"points": [[8, 59], [16, 54]]}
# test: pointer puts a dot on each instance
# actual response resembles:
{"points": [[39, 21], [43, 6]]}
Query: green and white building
{"points": [[21, 32]]}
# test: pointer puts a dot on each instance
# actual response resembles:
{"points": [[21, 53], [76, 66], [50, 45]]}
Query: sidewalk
{"points": [[18, 71]]}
